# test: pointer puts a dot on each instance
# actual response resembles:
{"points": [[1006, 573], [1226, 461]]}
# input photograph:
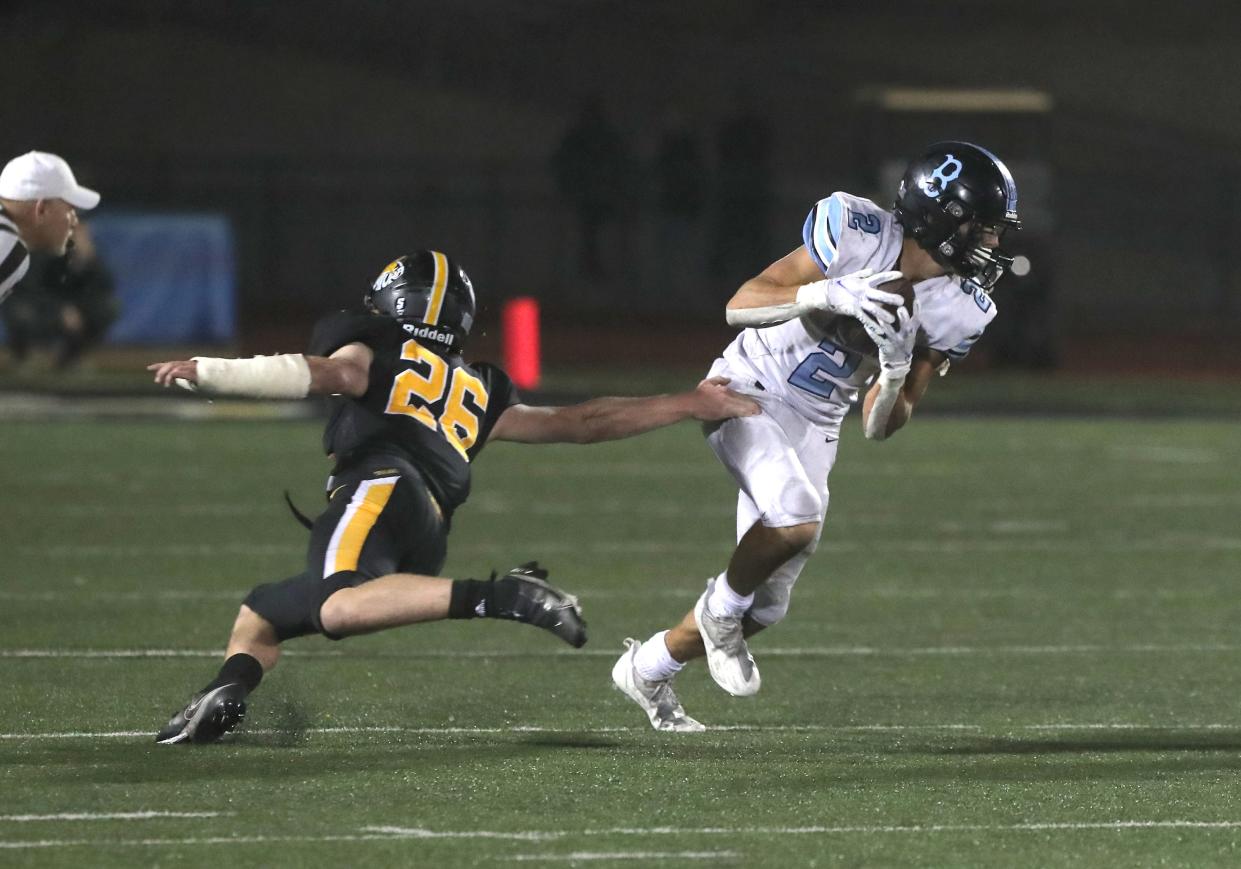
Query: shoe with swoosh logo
{"points": [[524, 595], [208, 716]]}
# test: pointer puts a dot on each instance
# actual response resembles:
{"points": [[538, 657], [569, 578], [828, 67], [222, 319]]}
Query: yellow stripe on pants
{"points": [[360, 517]]}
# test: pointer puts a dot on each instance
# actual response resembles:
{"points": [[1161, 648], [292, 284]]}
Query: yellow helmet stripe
{"points": [[436, 300]]}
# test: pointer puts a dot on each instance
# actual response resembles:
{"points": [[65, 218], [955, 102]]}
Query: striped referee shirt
{"points": [[14, 259]]}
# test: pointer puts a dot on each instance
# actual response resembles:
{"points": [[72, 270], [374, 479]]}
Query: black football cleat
{"points": [[524, 595], [208, 716]]}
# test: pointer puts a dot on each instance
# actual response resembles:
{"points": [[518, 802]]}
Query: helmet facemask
{"points": [[967, 254]]}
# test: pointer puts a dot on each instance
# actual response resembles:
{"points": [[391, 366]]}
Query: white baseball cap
{"points": [[39, 175]]}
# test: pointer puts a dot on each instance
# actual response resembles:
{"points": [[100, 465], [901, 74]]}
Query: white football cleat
{"points": [[657, 699], [728, 656]]}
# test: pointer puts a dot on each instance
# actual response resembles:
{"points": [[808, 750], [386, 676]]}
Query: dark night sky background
{"points": [[336, 135]]}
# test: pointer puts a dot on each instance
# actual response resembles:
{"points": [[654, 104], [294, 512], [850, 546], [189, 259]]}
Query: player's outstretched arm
{"points": [[793, 286], [288, 375], [606, 419]]}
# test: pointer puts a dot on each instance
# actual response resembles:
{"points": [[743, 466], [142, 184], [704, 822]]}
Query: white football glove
{"points": [[853, 295], [895, 341]]}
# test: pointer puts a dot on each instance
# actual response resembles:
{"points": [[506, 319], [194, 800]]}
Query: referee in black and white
{"points": [[39, 199]]}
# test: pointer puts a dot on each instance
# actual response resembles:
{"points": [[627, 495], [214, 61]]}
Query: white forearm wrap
{"points": [[889, 391], [283, 376], [809, 298]]}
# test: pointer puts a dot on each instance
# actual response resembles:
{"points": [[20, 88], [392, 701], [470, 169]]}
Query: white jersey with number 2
{"points": [[795, 363]]}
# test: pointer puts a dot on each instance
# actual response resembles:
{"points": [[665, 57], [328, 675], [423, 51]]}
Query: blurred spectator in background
{"points": [[679, 175], [65, 303], [592, 168], [38, 201], [741, 241]]}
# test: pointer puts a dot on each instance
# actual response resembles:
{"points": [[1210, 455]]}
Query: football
{"points": [[849, 334]]}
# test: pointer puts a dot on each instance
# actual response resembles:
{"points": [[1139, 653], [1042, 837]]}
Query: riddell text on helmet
{"points": [[429, 332]]}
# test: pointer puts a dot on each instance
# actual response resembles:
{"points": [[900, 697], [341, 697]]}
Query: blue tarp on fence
{"points": [[176, 277]]}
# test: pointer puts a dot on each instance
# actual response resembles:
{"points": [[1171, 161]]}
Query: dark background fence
{"points": [[335, 138]]}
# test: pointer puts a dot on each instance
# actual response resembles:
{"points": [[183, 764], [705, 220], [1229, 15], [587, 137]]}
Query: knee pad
{"points": [[771, 599], [292, 606], [771, 604]]}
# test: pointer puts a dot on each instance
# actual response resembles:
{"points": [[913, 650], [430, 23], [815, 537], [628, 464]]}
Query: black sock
{"points": [[242, 668], [489, 599], [471, 598]]}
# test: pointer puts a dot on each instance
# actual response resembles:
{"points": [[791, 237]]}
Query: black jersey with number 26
{"points": [[435, 410]]}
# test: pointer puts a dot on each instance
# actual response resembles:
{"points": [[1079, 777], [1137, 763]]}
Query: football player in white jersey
{"points": [[801, 356]]}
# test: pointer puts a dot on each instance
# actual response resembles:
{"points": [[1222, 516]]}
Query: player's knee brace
{"points": [[293, 606], [769, 609], [771, 599]]}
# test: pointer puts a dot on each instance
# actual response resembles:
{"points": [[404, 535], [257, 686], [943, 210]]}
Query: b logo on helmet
{"points": [[391, 273], [941, 177]]}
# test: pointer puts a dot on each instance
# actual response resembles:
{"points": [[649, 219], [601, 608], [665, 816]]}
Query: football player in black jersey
{"points": [[410, 415]]}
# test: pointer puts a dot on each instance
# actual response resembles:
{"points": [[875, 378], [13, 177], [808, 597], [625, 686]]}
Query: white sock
{"points": [[725, 603], [653, 661]]}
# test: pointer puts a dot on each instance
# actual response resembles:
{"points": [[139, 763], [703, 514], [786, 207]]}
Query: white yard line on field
{"points": [[1160, 454], [389, 834], [770, 652], [1130, 727], [637, 548], [919, 828], [493, 504], [109, 816], [1176, 500], [586, 856], [140, 550], [157, 843], [478, 731], [147, 508], [121, 596], [887, 592]]}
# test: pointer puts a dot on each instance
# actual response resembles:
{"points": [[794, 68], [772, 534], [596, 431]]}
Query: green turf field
{"points": [[1018, 645]]}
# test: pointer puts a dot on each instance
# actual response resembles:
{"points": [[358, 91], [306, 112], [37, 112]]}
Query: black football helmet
{"points": [[429, 294], [949, 198]]}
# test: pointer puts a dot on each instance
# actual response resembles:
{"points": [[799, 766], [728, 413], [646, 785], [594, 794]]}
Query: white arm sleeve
{"points": [[889, 391], [283, 376], [757, 318], [810, 297]]}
